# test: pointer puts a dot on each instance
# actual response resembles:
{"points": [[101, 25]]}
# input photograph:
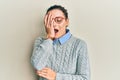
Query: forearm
{"points": [[72, 77], [41, 53]]}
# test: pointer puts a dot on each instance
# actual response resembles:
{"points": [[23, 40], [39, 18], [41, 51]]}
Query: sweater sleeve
{"points": [[82, 69], [41, 52]]}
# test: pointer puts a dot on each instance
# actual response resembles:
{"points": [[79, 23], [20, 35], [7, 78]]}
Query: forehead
{"points": [[56, 13]]}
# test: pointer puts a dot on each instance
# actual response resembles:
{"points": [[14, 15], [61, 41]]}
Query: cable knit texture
{"points": [[68, 60]]}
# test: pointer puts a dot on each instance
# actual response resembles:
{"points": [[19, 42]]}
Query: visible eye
{"points": [[58, 19]]}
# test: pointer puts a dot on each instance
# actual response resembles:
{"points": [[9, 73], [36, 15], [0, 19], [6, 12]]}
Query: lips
{"points": [[56, 30]]}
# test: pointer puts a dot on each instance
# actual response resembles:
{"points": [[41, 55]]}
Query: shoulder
{"points": [[81, 46], [79, 41]]}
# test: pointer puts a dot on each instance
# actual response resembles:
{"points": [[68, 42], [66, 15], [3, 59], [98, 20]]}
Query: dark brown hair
{"points": [[60, 8]]}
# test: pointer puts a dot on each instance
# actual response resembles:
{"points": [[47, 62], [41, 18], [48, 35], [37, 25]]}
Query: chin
{"points": [[57, 36]]}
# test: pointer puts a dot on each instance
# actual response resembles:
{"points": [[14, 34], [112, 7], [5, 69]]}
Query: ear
{"points": [[67, 22]]}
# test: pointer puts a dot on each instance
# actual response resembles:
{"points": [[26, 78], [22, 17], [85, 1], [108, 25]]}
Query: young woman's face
{"points": [[60, 22]]}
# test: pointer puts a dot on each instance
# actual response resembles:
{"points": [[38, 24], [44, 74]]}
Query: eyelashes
{"points": [[58, 19]]}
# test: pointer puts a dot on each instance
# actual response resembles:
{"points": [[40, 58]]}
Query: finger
{"points": [[38, 72], [52, 23], [47, 16], [43, 75], [46, 68], [45, 19], [49, 21], [52, 29], [42, 71]]}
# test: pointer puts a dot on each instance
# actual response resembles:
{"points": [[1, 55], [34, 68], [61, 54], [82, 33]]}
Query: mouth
{"points": [[56, 30]]}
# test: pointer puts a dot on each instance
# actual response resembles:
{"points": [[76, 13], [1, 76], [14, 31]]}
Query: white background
{"points": [[95, 21]]}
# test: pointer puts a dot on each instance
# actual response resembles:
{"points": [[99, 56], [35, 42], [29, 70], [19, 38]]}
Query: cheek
{"points": [[62, 30], [63, 25]]}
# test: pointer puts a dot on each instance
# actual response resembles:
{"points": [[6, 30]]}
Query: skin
{"points": [[47, 73], [51, 25]]}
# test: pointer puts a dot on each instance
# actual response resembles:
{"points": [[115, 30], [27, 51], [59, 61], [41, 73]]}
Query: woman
{"points": [[60, 56]]}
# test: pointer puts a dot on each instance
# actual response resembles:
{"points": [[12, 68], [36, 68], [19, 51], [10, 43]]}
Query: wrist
{"points": [[49, 37]]}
